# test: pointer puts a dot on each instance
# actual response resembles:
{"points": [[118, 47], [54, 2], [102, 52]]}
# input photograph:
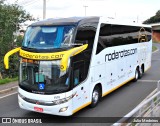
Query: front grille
{"points": [[37, 102]]}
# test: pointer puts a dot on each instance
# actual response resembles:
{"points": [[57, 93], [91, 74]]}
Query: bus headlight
{"points": [[60, 101]]}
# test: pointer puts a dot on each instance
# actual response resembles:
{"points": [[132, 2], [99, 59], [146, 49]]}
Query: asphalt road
{"points": [[116, 104]]}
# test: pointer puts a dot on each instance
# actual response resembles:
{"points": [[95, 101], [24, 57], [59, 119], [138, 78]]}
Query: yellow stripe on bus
{"points": [[81, 107]]}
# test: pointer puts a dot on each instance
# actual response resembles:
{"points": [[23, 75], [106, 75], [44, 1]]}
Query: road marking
{"points": [[8, 95], [156, 50], [148, 80], [8, 89]]}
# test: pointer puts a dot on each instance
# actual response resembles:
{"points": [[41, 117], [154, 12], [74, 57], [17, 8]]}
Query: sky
{"points": [[131, 10]]}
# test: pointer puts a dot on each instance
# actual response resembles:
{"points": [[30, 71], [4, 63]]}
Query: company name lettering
{"points": [[40, 56], [120, 54]]}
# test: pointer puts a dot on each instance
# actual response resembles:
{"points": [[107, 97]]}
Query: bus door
{"points": [[78, 87]]}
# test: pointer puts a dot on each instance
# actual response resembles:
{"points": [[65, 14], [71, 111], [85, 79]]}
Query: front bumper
{"points": [[54, 110]]}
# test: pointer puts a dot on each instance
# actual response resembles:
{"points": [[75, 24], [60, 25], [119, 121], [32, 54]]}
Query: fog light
{"points": [[63, 109]]}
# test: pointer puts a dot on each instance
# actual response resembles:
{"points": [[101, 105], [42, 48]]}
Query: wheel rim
{"points": [[95, 96]]}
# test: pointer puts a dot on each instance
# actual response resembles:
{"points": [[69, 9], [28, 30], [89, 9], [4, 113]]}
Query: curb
{"points": [[8, 89]]}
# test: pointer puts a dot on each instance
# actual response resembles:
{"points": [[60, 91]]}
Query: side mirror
{"points": [[6, 57]]}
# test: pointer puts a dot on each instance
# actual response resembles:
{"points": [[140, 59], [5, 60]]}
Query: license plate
{"points": [[38, 109]]}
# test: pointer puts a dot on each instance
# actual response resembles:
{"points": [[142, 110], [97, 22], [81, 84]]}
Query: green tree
{"points": [[153, 19], [11, 15]]}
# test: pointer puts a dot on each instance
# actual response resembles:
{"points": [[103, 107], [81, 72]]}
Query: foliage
{"points": [[153, 19], [7, 80], [19, 40], [11, 15]]}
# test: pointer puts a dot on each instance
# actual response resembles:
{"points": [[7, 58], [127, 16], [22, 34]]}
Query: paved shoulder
{"points": [[8, 89], [9, 85]]}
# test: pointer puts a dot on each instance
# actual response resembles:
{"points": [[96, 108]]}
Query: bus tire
{"points": [[137, 74], [95, 97], [142, 69], [140, 73]]}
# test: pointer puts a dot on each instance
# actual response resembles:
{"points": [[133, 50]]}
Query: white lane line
{"points": [[148, 80], [8, 95], [8, 89]]}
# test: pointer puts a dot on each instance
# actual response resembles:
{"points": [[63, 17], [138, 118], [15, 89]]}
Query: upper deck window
{"points": [[47, 37]]}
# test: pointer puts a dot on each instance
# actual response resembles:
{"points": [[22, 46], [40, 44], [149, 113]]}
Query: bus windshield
{"points": [[43, 76], [48, 37]]}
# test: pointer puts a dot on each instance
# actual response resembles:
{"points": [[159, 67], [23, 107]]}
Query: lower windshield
{"points": [[43, 77], [46, 37]]}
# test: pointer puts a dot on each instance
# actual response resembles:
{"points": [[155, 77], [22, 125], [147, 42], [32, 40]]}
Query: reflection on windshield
{"points": [[43, 76], [44, 37]]}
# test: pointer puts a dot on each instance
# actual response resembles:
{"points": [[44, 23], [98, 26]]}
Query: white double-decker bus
{"points": [[68, 64]]}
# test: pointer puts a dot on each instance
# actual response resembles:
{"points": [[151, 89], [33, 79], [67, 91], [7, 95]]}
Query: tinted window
{"points": [[144, 34], [104, 39], [122, 35], [78, 72], [85, 35], [115, 35]]}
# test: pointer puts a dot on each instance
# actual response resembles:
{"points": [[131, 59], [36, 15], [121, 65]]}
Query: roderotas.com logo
{"points": [[120, 54]]}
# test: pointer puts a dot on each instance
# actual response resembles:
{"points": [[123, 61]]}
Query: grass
{"points": [[154, 48], [7, 80]]}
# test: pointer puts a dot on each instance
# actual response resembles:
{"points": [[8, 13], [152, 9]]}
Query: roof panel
{"points": [[66, 21]]}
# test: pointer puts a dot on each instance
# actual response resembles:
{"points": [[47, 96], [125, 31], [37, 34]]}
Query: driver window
{"points": [[78, 73], [76, 77]]}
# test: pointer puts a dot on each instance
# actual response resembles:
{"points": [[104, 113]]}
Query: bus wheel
{"points": [[95, 97], [137, 74], [140, 73]]}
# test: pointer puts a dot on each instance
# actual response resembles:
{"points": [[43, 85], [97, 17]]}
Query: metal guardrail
{"points": [[148, 109]]}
